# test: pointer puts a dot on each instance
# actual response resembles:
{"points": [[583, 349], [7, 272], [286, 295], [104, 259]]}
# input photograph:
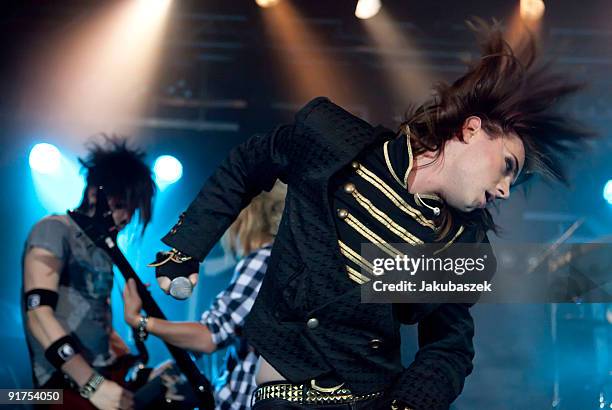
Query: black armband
{"points": [[62, 350], [40, 297]]}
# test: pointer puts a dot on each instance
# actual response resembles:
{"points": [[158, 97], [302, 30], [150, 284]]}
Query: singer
{"points": [[349, 183]]}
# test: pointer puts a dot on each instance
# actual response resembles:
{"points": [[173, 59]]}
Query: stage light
{"points": [[45, 158], [154, 8], [607, 191], [266, 3], [156, 3], [167, 170], [367, 8], [532, 9], [57, 181]]}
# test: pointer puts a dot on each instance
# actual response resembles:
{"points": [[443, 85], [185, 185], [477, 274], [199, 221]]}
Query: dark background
{"points": [[219, 80]]}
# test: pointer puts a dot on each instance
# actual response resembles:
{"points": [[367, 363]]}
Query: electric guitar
{"points": [[102, 231]]}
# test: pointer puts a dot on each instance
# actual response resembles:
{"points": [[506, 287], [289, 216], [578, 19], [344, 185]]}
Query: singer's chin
{"points": [[180, 288]]}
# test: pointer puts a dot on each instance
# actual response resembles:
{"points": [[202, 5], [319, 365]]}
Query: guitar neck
{"points": [[182, 358]]}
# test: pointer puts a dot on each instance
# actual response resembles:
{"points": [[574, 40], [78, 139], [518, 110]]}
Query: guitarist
{"points": [[67, 282], [250, 237]]}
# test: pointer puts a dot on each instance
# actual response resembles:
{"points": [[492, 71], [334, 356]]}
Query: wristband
{"points": [[92, 384], [62, 350], [141, 328]]}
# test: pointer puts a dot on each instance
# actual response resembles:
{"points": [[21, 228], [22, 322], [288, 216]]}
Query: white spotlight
{"points": [[45, 158], [167, 169], [367, 8], [532, 9], [607, 191], [266, 3]]}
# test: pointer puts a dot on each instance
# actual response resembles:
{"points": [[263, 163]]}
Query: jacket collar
{"points": [[400, 161]]}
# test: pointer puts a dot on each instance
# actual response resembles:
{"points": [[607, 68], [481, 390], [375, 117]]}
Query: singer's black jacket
{"points": [[305, 155]]}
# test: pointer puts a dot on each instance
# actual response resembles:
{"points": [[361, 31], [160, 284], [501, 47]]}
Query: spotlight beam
{"points": [[304, 67], [408, 83], [96, 75]]}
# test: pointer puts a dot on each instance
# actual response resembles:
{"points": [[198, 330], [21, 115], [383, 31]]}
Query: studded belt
{"points": [[309, 394]]}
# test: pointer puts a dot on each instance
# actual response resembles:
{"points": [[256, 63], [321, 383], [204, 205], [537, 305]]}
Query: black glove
{"points": [[177, 268], [399, 405]]}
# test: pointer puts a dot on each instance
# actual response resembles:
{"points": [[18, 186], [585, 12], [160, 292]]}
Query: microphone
{"points": [[180, 288], [176, 267]]}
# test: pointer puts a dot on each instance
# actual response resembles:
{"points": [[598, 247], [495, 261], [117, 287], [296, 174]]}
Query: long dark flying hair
{"points": [[512, 92], [123, 174]]}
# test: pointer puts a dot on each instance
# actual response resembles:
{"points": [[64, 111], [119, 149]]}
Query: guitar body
{"points": [[115, 372]]}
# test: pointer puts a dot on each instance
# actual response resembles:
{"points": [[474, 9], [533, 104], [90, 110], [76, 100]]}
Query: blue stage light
{"points": [[56, 178], [607, 191], [167, 170], [45, 158]]}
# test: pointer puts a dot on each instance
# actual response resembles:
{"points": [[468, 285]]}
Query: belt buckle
{"points": [[313, 384]]}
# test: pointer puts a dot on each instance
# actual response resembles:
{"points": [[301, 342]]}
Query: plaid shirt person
{"points": [[225, 318]]}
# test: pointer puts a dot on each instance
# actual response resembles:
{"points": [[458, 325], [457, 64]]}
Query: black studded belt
{"points": [[309, 394]]}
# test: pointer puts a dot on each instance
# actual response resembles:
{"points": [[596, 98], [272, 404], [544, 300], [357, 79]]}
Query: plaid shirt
{"points": [[225, 318]]}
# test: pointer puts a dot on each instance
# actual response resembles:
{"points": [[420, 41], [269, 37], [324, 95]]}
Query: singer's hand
{"points": [[132, 304], [164, 281], [176, 273]]}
